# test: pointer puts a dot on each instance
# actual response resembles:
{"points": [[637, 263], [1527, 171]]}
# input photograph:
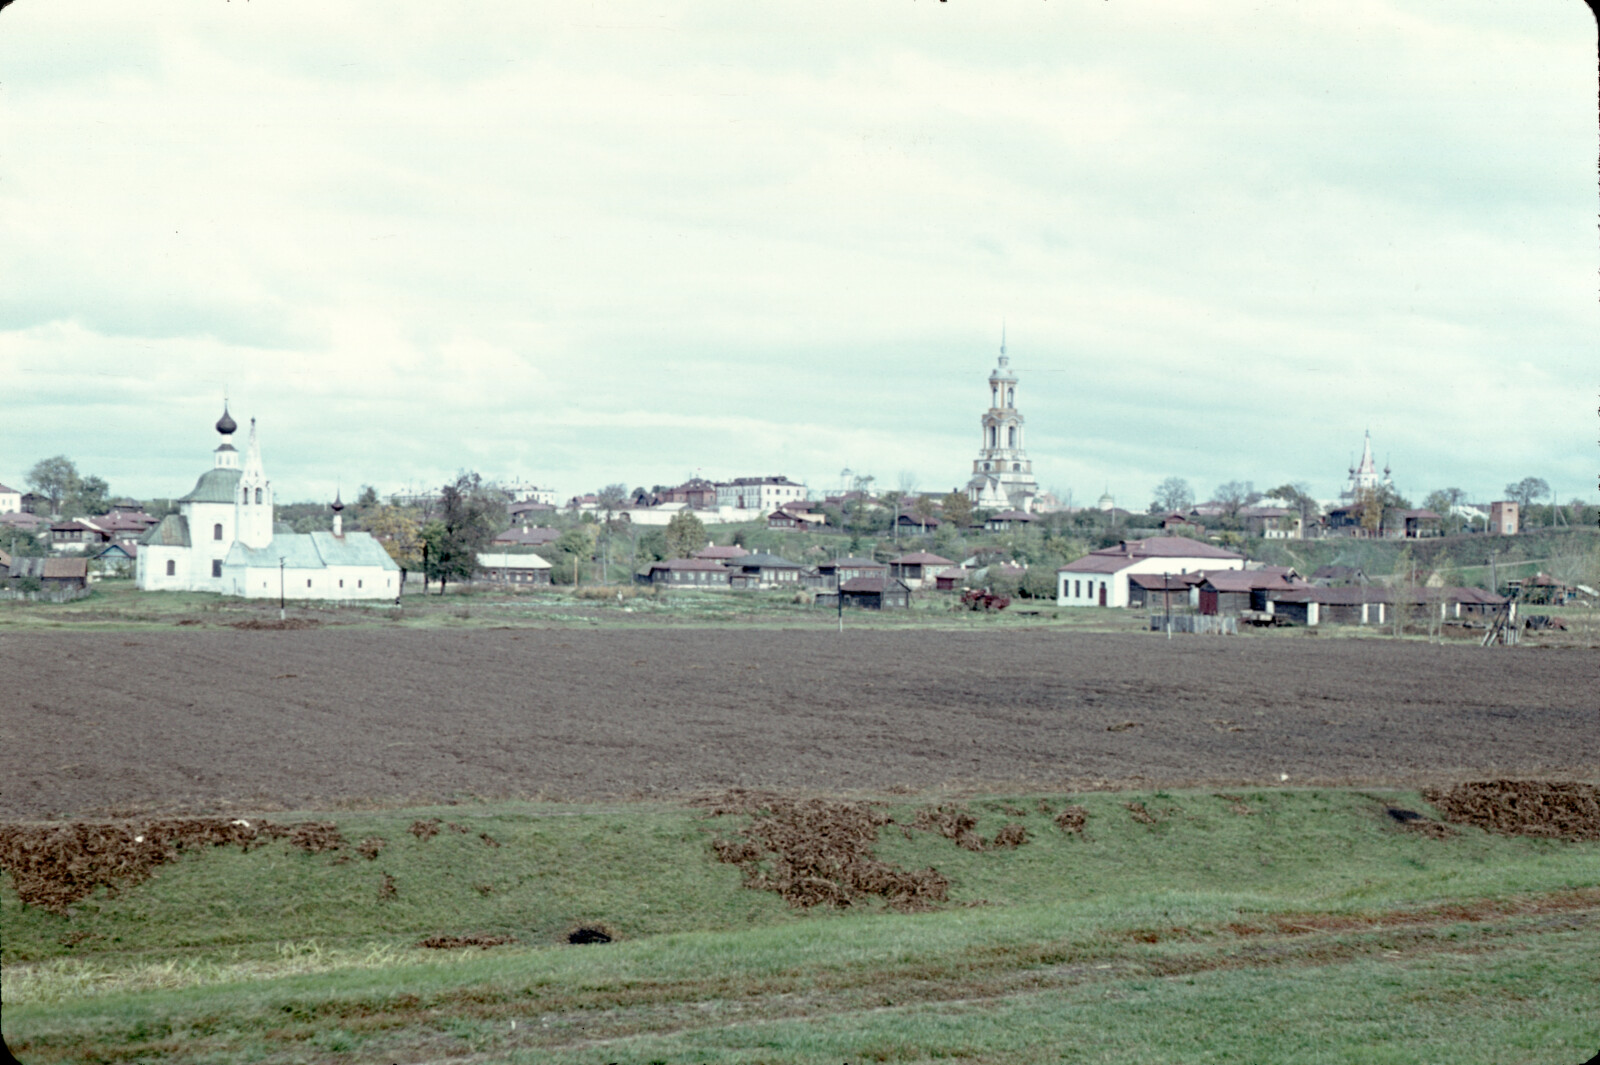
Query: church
{"points": [[1002, 475], [224, 539]]}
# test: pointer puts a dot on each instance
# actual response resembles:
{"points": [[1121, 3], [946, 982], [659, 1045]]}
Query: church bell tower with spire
{"points": [[1002, 474]]}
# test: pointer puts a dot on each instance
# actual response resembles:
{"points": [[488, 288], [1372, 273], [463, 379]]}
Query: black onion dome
{"points": [[225, 424], [338, 504]]}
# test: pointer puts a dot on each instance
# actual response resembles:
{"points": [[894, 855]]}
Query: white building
{"points": [[224, 539], [10, 500], [764, 494], [1100, 578], [1364, 477], [1002, 475]]}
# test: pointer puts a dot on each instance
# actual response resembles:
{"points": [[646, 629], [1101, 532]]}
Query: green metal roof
{"points": [[172, 532], [214, 486], [314, 551]]}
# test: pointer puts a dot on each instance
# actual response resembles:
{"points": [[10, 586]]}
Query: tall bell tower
{"points": [[1002, 474]]}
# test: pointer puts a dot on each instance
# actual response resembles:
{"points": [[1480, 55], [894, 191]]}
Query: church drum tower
{"points": [[1002, 474]]}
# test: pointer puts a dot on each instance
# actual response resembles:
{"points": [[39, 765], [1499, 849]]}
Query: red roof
{"points": [[725, 551], [1247, 580], [920, 558]]}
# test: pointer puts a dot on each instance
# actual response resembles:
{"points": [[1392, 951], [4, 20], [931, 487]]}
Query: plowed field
{"points": [[209, 720]]}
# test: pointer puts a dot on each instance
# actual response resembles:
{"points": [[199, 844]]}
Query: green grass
{"points": [[1181, 940]]}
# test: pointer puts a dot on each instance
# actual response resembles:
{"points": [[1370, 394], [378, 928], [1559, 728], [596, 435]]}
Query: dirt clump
{"points": [[426, 829], [53, 866], [286, 623], [1072, 819], [371, 847], [474, 939], [1140, 814], [1010, 836], [817, 852], [953, 822], [1551, 809], [589, 934], [387, 889], [488, 840], [314, 837]]}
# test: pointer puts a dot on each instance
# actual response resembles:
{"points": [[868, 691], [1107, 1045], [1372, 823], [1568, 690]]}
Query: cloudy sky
{"points": [[584, 243]]}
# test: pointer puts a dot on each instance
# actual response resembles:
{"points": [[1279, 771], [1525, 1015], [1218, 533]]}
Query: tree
{"points": [[1172, 494], [686, 534], [1297, 497], [55, 478], [1444, 500], [90, 496], [1527, 490], [957, 509], [1235, 496], [613, 497], [399, 530], [468, 521]]}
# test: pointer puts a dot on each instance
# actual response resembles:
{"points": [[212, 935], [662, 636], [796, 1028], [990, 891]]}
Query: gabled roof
{"points": [[724, 551], [920, 558], [1098, 563], [172, 531], [763, 560], [316, 550], [1246, 580], [506, 560], [64, 568], [1011, 515], [1167, 547], [677, 564], [851, 563], [1165, 582], [214, 486], [7, 488], [871, 585]]}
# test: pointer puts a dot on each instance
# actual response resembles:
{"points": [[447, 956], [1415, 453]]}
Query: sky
{"points": [[576, 244]]}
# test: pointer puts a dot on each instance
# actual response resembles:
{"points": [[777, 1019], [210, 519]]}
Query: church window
{"points": [[216, 567], [985, 465], [247, 496], [341, 582], [1011, 397], [308, 582], [216, 531], [172, 568], [1011, 436], [1077, 589], [1016, 467], [258, 495], [358, 584]]}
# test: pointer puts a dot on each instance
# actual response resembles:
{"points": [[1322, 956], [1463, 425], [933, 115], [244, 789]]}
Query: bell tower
{"points": [[1002, 474], [253, 504]]}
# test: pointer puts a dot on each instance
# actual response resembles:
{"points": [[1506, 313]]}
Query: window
{"points": [[216, 566], [258, 495], [172, 568], [1011, 436], [247, 496], [1077, 589], [341, 582], [358, 584], [216, 531], [308, 582], [1016, 467]]}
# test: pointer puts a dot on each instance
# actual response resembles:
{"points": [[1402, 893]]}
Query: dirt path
{"points": [[210, 720]]}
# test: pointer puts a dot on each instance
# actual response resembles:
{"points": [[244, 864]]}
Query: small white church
{"points": [[224, 539]]}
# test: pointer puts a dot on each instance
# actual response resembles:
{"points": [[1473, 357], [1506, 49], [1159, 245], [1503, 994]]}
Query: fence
{"points": [[48, 595], [1203, 623]]}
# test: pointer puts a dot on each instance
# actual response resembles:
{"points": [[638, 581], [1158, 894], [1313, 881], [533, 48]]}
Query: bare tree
{"points": [[1172, 494], [1235, 496]]}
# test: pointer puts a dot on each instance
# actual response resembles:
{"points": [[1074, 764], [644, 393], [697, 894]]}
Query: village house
{"points": [[1007, 520], [10, 500], [761, 570], [1100, 578], [1272, 523], [697, 492], [1504, 519], [1160, 591], [868, 593], [687, 573], [73, 536], [828, 574], [116, 559], [918, 569], [526, 536], [53, 574], [910, 523], [521, 570], [948, 580], [1235, 591]]}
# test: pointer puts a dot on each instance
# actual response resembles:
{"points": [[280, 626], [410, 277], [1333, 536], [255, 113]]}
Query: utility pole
{"points": [[281, 559], [1166, 595]]}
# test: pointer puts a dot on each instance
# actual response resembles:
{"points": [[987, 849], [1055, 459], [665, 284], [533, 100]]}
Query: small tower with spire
{"points": [[338, 516], [254, 501]]}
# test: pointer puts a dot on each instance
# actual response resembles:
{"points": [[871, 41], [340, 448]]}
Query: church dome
{"points": [[225, 424], [338, 504]]}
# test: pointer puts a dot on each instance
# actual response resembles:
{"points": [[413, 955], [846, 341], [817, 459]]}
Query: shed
{"points": [[869, 593]]}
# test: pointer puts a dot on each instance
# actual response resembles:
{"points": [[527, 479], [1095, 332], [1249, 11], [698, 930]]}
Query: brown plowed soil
{"points": [[1558, 810], [212, 720]]}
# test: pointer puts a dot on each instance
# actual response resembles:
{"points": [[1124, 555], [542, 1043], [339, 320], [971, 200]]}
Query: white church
{"points": [[1002, 474], [224, 539]]}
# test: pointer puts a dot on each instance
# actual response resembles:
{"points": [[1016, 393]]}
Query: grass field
{"points": [[1269, 925]]}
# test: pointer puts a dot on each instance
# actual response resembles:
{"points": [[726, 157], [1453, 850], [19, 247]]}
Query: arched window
{"points": [[172, 568], [1016, 467], [216, 531], [1011, 397], [258, 495], [1011, 436], [247, 496]]}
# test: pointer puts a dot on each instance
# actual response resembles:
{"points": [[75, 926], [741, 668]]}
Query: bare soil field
{"points": [[205, 720]]}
